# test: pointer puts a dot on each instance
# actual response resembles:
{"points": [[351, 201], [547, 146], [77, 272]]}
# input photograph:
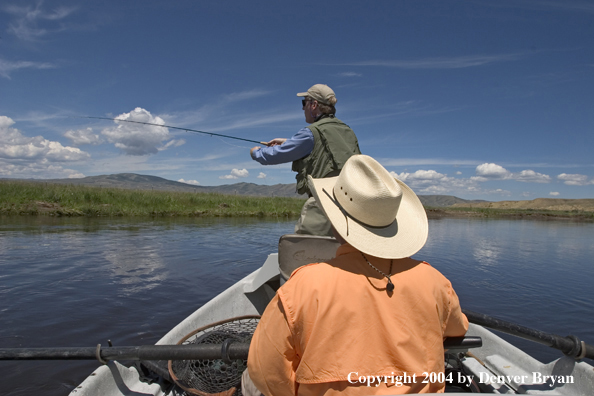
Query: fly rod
{"points": [[181, 129]]}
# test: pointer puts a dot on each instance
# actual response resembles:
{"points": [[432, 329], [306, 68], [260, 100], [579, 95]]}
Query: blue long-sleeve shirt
{"points": [[298, 146]]}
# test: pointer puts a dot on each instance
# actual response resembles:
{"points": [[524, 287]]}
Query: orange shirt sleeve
{"points": [[456, 324], [272, 360]]}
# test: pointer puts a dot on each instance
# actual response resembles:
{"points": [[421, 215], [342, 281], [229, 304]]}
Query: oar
{"points": [[570, 345], [230, 351], [225, 351]]}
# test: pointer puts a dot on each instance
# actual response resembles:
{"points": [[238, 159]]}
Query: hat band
{"points": [[347, 215]]}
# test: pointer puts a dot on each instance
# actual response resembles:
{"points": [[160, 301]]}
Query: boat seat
{"points": [[295, 250]]}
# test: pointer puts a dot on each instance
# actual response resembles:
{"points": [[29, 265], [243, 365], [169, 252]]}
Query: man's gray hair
{"points": [[326, 109]]}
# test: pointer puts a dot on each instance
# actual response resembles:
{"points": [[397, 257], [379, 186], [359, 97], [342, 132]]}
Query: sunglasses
{"points": [[304, 101]]}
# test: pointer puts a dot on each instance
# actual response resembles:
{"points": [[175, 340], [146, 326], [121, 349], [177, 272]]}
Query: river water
{"points": [[80, 282]]}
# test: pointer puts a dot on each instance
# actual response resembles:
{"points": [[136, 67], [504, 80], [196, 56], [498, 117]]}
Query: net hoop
{"points": [[224, 328]]}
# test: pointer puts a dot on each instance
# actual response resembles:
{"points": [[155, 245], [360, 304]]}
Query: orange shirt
{"points": [[332, 323]]}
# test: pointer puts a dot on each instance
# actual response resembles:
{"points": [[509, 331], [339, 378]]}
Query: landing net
{"points": [[214, 377]]}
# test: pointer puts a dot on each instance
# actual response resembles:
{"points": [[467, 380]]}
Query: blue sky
{"points": [[479, 99]]}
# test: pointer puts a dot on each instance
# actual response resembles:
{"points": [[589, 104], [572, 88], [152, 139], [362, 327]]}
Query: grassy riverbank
{"points": [[24, 198], [35, 198], [526, 214]]}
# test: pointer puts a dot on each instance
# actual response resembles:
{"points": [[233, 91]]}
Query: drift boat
{"points": [[482, 363]]}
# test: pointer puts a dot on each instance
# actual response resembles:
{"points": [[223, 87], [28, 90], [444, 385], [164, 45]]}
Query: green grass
{"points": [[35, 198], [511, 213]]}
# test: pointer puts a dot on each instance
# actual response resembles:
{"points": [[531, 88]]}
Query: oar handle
{"points": [[570, 345], [146, 352]]}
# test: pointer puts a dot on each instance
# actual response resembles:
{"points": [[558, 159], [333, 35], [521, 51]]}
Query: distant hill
{"points": [[586, 205], [445, 200], [146, 182]]}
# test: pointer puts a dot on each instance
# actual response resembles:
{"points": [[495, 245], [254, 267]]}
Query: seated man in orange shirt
{"points": [[370, 312]]}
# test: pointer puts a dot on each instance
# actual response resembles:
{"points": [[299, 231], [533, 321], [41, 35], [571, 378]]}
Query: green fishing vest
{"points": [[334, 144]]}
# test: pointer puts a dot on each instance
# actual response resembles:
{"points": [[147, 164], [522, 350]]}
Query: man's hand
{"points": [[254, 149], [276, 142]]}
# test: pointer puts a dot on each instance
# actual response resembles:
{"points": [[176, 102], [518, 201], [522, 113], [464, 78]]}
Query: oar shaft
{"points": [[163, 352], [146, 352], [565, 344]]}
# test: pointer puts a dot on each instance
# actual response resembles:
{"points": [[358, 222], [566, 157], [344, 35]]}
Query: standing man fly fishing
{"points": [[319, 150]]}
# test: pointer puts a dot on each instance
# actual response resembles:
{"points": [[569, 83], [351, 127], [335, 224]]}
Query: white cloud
{"points": [[83, 136], [424, 161], [31, 22], [499, 191], [140, 139], [350, 74], [530, 176], [6, 67], [457, 62], [236, 174], [14, 146], [256, 120], [554, 193], [432, 182], [240, 172], [38, 170], [193, 182], [490, 171], [421, 177], [262, 175], [245, 95], [172, 143], [37, 157], [575, 179]]}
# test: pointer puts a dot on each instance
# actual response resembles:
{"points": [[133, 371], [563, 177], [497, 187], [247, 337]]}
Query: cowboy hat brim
{"points": [[405, 236]]}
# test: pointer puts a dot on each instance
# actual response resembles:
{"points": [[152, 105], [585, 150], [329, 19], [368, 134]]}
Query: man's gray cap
{"points": [[322, 93]]}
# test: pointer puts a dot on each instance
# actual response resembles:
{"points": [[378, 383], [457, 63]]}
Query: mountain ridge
{"points": [[148, 182]]}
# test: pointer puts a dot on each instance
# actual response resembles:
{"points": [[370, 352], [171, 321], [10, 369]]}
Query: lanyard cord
{"points": [[390, 285]]}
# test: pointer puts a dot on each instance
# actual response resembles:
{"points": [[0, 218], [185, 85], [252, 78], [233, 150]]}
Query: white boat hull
{"points": [[497, 366]]}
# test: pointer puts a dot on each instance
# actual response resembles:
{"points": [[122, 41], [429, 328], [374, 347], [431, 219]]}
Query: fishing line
{"points": [[181, 129]]}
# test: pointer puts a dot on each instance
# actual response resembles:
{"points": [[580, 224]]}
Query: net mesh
{"points": [[214, 377]]}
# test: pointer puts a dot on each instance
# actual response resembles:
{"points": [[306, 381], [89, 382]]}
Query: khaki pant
{"points": [[247, 386], [313, 221]]}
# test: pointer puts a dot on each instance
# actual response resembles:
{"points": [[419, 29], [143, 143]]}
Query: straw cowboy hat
{"points": [[371, 210]]}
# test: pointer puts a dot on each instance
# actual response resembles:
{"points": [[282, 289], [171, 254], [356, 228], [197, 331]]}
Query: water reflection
{"points": [[486, 253], [537, 274], [78, 282], [136, 264]]}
